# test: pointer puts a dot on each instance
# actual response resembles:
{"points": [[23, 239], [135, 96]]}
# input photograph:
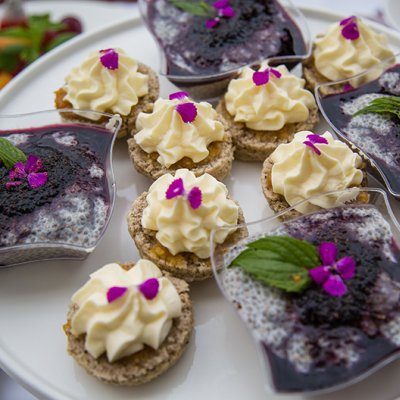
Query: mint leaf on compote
{"points": [[279, 261], [9, 154], [382, 105], [199, 9]]}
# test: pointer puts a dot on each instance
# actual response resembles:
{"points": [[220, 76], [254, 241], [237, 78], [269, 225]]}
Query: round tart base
{"points": [[218, 163], [184, 265], [278, 203], [145, 103], [252, 145], [145, 365]]}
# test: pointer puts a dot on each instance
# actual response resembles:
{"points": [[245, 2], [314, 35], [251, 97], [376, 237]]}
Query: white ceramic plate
{"points": [[221, 361]]}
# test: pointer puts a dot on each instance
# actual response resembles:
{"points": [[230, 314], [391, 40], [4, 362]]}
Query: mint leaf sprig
{"points": [[382, 105], [199, 8], [279, 261], [9, 154]]}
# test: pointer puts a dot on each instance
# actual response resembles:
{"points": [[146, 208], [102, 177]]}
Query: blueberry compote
{"points": [[73, 206], [260, 29], [314, 341], [377, 135]]}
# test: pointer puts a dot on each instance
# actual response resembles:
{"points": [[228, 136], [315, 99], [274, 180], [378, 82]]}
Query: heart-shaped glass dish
{"points": [[375, 136], [203, 60], [311, 342], [67, 216]]}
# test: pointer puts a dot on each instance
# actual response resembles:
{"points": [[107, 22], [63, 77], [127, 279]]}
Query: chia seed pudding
{"points": [[314, 341], [260, 29], [73, 206], [377, 135]]}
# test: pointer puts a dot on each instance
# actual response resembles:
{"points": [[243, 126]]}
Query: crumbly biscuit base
{"points": [[145, 103], [253, 145], [277, 202], [184, 265], [145, 365]]}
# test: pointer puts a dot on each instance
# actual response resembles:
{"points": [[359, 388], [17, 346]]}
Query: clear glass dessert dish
{"points": [[58, 202], [201, 60], [312, 339], [374, 134]]}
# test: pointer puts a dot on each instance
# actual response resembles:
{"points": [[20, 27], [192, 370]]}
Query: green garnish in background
{"points": [[9, 154], [279, 261], [197, 8], [382, 105]]}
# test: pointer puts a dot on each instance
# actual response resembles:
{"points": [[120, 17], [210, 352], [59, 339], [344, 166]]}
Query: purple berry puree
{"points": [[377, 135], [314, 341], [260, 29], [73, 206]]}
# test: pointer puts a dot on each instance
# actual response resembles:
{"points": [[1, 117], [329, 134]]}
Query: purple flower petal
{"points": [[115, 293], [9, 185], [335, 286], [178, 95], [317, 139], [37, 179], [33, 164], [220, 4], [261, 77], [187, 111], [347, 20], [227, 12], [350, 31], [149, 288], [17, 172], [195, 197], [109, 59], [312, 146], [175, 189], [275, 72], [346, 267], [327, 252], [320, 274], [347, 87], [212, 23]]}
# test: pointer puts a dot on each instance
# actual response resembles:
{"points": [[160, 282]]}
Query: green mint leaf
{"points": [[382, 105], [199, 9], [15, 32], [10, 154], [9, 57], [59, 39], [279, 261]]}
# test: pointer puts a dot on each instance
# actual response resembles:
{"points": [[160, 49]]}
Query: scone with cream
{"points": [[171, 224], [348, 48], [109, 81], [180, 133], [265, 108], [129, 323], [311, 165]]}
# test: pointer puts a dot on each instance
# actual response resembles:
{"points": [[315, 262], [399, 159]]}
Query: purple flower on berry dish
{"points": [[318, 293], [58, 186], [215, 39], [364, 112]]}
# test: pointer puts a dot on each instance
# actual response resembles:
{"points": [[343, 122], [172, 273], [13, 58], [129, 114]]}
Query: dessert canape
{"points": [[310, 165], [265, 108], [348, 48], [109, 81], [172, 223], [367, 117], [128, 324], [319, 294], [179, 133]]}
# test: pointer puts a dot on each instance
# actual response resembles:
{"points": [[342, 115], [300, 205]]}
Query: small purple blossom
{"points": [[312, 140], [332, 274], [176, 189], [115, 292], [178, 96], [149, 288], [29, 171], [262, 77], [347, 87], [224, 10], [109, 58], [187, 111], [350, 28]]}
